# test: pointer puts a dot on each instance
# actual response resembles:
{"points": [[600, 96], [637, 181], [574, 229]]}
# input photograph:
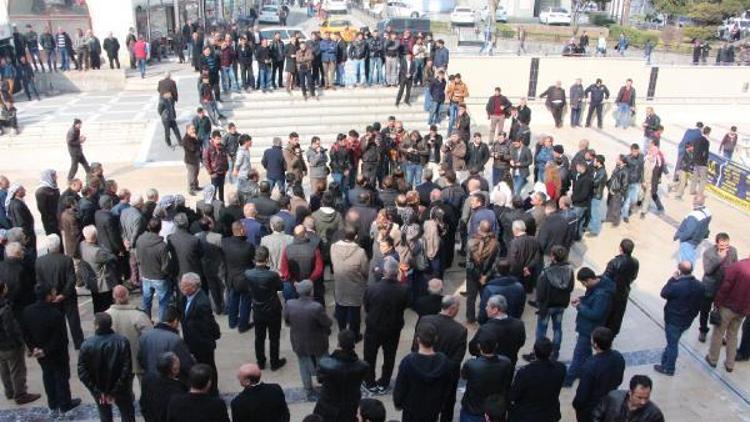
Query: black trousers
{"points": [[173, 126], [113, 60], [277, 67], [557, 111], [446, 414], [705, 310], [216, 290], [271, 326], [374, 340], [472, 291], [207, 357], [616, 313], [317, 72], [218, 181], [77, 158], [348, 317], [598, 109], [124, 403], [101, 301], [306, 81], [213, 80], [69, 307], [56, 376], [404, 85], [246, 75], [192, 176]]}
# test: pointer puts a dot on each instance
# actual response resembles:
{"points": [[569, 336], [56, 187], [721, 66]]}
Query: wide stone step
{"points": [[325, 102], [314, 108], [325, 122]]}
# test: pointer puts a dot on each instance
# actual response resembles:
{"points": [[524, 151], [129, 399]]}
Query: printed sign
{"points": [[729, 180]]}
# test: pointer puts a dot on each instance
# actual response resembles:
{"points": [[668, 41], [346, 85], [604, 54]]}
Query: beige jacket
{"points": [[130, 322]]}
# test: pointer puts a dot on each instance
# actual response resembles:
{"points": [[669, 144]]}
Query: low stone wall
{"points": [[77, 81]]}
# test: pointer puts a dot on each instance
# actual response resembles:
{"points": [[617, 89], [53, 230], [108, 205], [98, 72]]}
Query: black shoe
{"points": [[72, 405], [742, 358], [407, 103], [383, 389], [660, 369], [278, 365], [626, 219], [533, 303], [369, 389], [702, 337], [358, 338], [262, 365], [713, 365], [529, 357]]}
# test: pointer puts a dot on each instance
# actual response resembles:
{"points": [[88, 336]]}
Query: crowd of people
{"points": [[389, 212]]}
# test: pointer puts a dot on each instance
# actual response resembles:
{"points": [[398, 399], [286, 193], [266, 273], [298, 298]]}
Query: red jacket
{"points": [[734, 292], [215, 160], [140, 50], [227, 56]]}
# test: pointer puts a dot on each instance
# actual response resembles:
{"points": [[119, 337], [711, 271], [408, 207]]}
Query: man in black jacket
{"points": [[554, 286], [384, 303], [75, 141], [158, 388], [601, 374], [258, 401], [108, 231], [535, 393], [477, 153], [596, 93], [554, 230], [341, 375], [104, 367], [451, 341], [199, 328], [555, 103], [700, 162], [487, 376], [238, 258], [524, 255], [634, 162], [45, 334], [424, 380], [583, 191], [199, 404], [632, 405], [623, 269], [599, 180], [509, 333], [406, 70], [58, 271], [264, 286]]}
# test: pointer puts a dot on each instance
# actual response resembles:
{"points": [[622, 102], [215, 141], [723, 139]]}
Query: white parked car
{"points": [[463, 16], [555, 16], [403, 9], [269, 14], [335, 7], [286, 33], [501, 15]]}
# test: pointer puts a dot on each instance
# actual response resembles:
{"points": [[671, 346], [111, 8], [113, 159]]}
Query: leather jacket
{"points": [[375, 47], [599, 177], [358, 50], [104, 363]]}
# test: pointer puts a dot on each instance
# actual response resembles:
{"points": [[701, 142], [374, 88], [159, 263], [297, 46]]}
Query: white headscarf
{"points": [[12, 193]]}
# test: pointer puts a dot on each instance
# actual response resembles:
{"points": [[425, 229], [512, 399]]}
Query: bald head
{"points": [[249, 374], [250, 211], [121, 295], [436, 195], [473, 185], [299, 231], [4, 182]]}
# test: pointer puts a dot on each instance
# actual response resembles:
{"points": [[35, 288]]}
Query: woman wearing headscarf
{"points": [[20, 215], [47, 198], [434, 230]]}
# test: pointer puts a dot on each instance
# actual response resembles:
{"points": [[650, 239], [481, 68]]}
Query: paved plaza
{"points": [[125, 135]]}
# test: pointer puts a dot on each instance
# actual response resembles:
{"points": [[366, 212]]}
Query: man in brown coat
{"points": [[70, 228], [293, 158], [455, 151]]}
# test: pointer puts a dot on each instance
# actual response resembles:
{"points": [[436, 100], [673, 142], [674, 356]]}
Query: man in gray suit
{"points": [[309, 327]]}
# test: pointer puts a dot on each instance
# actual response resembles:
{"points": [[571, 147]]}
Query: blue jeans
{"points": [[542, 322], [575, 117], [289, 292], [52, 60], [623, 115], [630, 198], [142, 67], [238, 309], [669, 357], [427, 100], [376, 71], [581, 214], [163, 290], [470, 417], [434, 113], [539, 167], [687, 252], [413, 173], [64, 59], [280, 182], [727, 154], [595, 222], [357, 76], [263, 78], [452, 114], [340, 74], [518, 183], [419, 63], [228, 79], [581, 352], [342, 180]]}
